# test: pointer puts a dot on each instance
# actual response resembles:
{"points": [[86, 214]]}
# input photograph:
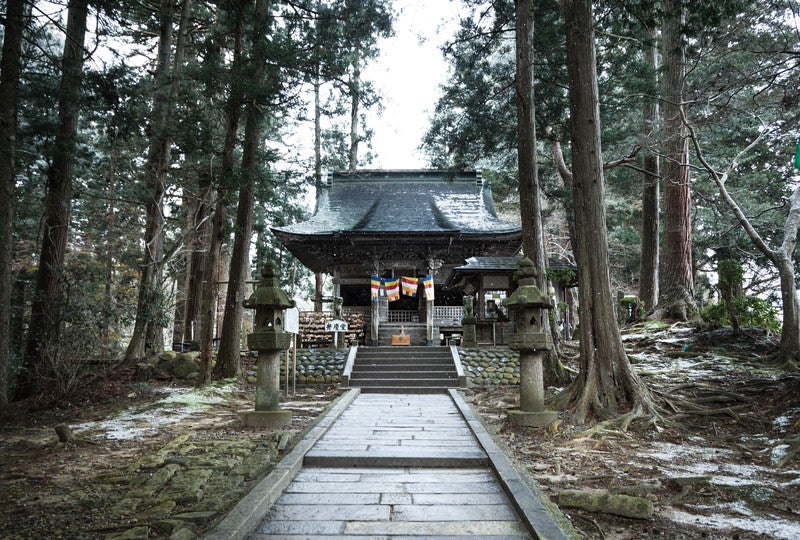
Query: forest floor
{"points": [[719, 464]]}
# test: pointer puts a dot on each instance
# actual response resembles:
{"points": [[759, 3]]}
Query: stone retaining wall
{"points": [[496, 366], [490, 366], [499, 366]]}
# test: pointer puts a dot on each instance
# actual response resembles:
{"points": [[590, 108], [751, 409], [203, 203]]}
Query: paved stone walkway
{"points": [[395, 465]]}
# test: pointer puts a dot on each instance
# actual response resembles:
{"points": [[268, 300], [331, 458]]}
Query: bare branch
{"points": [[721, 178]]}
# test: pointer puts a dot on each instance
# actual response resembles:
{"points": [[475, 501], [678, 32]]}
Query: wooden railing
{"points": [[442, 315]]}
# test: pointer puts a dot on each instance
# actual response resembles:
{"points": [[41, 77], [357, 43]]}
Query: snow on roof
{"points": [[403, 201]]}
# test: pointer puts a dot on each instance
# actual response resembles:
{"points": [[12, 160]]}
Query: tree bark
{"points": [[228, 361], [606, 382], [355, 102], [676, 288], [45, 323], [9, 90], [529, 193], [648, 268], [147, 332], [318, 276], [211, 291], [154, 172]]}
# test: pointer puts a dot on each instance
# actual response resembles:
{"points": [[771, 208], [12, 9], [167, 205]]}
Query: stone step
{"points": [[404, 381], [409, 361], [360, 368], [403, 370], [364, 373], [397, 457], [405, 389]]}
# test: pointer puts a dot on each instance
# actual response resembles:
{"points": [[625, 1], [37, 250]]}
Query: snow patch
{"points": [[769, 525], [180, 404]]}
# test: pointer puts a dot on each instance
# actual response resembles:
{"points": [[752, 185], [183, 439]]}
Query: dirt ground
{"points": [[718, 464]]}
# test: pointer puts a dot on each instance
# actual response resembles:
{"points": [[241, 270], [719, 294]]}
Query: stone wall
{"points": [[490, 366]]}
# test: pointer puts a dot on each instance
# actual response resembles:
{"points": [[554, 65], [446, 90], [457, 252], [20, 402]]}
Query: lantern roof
{"points": [[268, 292]]}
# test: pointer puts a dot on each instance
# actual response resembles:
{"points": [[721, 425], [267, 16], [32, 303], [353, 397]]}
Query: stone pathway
{"points": [[395, 465]]}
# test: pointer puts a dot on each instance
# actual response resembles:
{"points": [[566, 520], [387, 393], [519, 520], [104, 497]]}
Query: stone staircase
{"points": [[404, 370]]}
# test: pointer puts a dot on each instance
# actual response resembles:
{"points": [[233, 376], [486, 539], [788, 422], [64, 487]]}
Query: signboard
{"points": [[336, 325], [291, 320]]}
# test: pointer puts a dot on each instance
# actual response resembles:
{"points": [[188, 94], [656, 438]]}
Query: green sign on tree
{"points": [[797, 156]]}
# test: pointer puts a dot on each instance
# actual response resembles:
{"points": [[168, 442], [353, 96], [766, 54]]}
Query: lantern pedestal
{"points": [[531, 412], [469, 339], [526, 306], [268, 413]]}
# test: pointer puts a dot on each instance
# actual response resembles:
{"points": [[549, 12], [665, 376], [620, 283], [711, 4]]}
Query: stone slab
{"points": [[385, 457], [428, 529], [452, 512]]}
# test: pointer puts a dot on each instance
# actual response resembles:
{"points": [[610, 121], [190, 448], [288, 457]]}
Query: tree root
{"points": [[794, 447]]}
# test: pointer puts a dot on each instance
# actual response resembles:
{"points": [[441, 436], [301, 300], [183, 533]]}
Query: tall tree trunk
{"points": [[676, 289], [648, 268], [197, 260], [228, 361], [214, 261], [43, 332], [529, 192], [110, 254], [355, 102], [318, 277], [606, 382], [147, 331], [9, 90], [154, 172]]}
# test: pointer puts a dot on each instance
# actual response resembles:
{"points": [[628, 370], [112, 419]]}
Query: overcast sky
{"points": [[407, 74]]}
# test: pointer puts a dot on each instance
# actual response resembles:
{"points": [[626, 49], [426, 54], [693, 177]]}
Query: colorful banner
{"points": [[408, 286], [392, 289], [375, 287], [427, 282]]}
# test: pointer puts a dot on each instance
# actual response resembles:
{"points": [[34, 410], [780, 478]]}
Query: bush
{"points": [[750, 310]]}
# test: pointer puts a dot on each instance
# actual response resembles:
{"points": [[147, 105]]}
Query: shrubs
{"points": [[749, 310]]}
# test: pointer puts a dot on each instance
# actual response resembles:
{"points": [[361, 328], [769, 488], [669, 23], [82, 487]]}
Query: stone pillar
{"points": [[429, 322], [269, 339], [268, 380], [469, 338], [526, 307], [375, 323]]}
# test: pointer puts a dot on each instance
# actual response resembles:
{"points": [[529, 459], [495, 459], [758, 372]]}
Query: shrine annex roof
{"points": [[403, 201]]}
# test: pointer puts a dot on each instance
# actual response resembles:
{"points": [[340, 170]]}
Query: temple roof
{"points": [[407, 201], [399, 218]]}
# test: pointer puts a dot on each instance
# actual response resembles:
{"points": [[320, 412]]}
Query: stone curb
{"points": [[243, 518], [532, 509]]}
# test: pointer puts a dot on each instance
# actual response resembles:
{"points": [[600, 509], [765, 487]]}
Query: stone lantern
{"points": [[269, 339], [526, 308]]}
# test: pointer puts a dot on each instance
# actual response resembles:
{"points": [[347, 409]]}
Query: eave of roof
{"points": [[406, 202]]}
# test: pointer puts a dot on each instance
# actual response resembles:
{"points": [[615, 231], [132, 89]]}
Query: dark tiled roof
{"points": [[414, 201], [483, 264]]}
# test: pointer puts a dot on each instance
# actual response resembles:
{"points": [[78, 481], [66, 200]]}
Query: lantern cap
{"points": [[528, 294], [268, 293]]}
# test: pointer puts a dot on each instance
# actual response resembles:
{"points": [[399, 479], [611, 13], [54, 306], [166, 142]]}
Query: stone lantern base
{"points": [[532, 419], [267, 419]]}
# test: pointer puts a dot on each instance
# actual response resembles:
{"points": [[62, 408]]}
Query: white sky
{"points": [[407, 75]]}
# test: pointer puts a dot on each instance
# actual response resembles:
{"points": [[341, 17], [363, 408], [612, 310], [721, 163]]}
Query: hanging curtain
{"points": [[375, 288], [427, 282], [392, 289], [408, 285]]}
